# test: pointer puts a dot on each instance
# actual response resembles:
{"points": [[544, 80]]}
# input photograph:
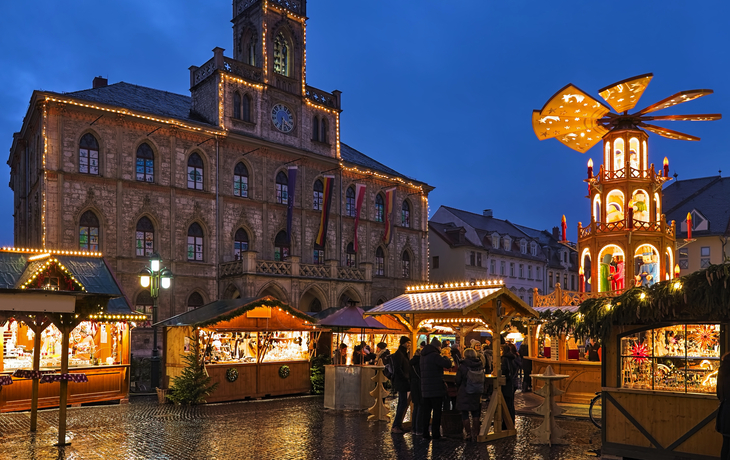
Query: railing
{"points": [[273, 267], [243, 70], [295, 6], [204, 71], [231, 268], [622, 225], [347, 273], [320, 97], [633, 173], [314, 271], [563, 298]]}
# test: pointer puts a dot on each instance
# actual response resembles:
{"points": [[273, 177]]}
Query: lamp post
{"points": [[154, 277]]}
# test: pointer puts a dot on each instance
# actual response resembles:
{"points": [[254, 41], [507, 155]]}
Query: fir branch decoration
{"points": [[316, 373], [193, 385]]}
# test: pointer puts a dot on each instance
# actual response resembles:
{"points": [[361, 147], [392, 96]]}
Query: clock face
{"points": [[282, 117]]}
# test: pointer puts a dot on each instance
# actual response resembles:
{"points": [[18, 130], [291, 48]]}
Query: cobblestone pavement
{"points": [[282, 428]]}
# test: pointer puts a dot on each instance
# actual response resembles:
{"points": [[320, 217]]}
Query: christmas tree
{"points": [[193, 385]]}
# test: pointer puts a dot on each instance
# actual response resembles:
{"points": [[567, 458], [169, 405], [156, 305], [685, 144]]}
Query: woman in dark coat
{"points": [[469, 403], [508, 369], [416, 421], [433, 388], [722, 424]]}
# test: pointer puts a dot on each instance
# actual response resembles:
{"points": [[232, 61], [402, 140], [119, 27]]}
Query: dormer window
{"points": [[523, 247], [495, 241], [507, 244], [533, 249]]}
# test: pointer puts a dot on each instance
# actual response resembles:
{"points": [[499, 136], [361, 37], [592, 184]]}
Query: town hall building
{"points": [[244, 187]]}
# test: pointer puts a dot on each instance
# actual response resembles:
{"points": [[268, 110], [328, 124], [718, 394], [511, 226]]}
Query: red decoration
{"points": [[639, 352], [630, 219], [666, 167], [689, 226], [564, 225], [590, 168]]}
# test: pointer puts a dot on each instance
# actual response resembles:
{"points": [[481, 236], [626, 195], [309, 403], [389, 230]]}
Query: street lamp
{"points": [[154, 278]]}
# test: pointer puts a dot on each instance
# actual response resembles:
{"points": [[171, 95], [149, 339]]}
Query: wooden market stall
{"points": [[252, 347], [464, 307]]}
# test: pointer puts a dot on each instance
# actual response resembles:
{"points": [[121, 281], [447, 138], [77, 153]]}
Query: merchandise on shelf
{"points": [[248, 347], [682, 358]]}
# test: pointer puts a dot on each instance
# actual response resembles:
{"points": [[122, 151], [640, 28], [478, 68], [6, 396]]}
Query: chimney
{"points": [[556, 233], [99, 82], [487, 213]]}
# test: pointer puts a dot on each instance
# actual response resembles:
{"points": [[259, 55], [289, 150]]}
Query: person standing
{"points": [[526, 368], [722, 422], [509, 370], [470, 382], [341, 355], [433, 388], [416, 399], [401, 382]]}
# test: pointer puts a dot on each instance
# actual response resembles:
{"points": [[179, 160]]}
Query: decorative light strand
{"points": [[45, 176], [483, 284], [304, 61], [368, 172], [47, 265], [51, 252]]}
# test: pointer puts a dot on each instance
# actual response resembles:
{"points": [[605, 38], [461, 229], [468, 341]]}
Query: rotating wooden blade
{"points": [[572, 102], [682, 96], [549, 126], [700, 117], [668, 133], [624, 95], [579, 141]]}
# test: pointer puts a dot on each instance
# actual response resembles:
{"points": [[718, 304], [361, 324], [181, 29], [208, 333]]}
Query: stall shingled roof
{"points": [[225, 310]]}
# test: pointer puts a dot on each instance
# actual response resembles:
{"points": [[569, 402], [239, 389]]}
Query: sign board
{"points": [[259, 312], [37, 302]]}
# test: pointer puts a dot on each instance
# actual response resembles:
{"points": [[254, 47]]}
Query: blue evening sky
{"points": [[440, 91]]}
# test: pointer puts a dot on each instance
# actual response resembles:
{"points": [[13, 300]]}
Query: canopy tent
{"points": [[465, 306], [350, 317], [64, 288]]}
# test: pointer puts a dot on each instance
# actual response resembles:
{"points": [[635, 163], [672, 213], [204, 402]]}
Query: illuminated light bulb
{"points": [[677, 285], [642, 296]]}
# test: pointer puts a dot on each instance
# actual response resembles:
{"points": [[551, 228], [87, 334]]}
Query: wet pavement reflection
{"points": [[282, 428]]}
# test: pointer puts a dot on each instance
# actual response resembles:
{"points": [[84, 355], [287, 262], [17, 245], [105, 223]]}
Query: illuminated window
{"points": [[195, 301], [406, 264], [237, 105], [379, 262], [618, 154], [318, 255], [144, 238], [281, 246], [315, 128], [282, 188], [379, 208], [281, 55], [89, 232], [318, 198], [350, 256], [145, 163], [195, 172], [350, 202], [405, 215], [240, 243], [195, 242], [88, 154], [240, 180]]}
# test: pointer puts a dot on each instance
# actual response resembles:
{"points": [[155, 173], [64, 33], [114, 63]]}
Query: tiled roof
{"points": [[710, 196], [355, 157], [488, 224], [140, 98]]}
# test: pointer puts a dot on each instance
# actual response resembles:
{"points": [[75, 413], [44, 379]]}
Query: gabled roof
{"points": [[488, 224], [443, 231], [710, 196], [355, 157]]}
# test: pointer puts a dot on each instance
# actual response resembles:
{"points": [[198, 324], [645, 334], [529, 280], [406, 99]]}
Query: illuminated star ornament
{"points": [[580, 121], [705, 336], [639, 352]]}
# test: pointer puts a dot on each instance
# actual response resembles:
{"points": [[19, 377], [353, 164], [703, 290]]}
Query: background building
{"points": [[708, 200], [469, 246], [227, 184]]}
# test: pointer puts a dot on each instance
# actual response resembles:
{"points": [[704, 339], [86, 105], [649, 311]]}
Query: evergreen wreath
{"points": [[284, 371], [232, 374]]}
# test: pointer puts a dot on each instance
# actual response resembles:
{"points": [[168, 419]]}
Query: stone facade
{"points": [[52, 191]]}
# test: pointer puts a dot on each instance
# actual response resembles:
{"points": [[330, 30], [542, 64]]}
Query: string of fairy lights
{"points": [[480, 284]]}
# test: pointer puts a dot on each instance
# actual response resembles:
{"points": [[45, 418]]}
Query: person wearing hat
{"points": [[401, 383], [433, 389]]}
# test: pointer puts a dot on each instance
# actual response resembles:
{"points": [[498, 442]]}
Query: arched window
{"points": [[350, 256], [282, 188], [145, 238], [144, 305], [405, 215], [195, 172], [195, 242], [350, 202], [145, 163], [405, 262], [88, 154], [89, 232], [379, 208], [315, 128], [315, 305], [240, 243], [323, 137], [281, 246], [237, 105], [195, 301], [379, 262], [318, 195], [281, 55], [246, 108], [240, 180], [318, 254]]}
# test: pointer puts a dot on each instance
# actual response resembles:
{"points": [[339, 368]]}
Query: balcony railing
{"points": [[633, 173], [622, 225], [562, 298], [273, 267], [324, 98], [250, 265], [314, 271], [349, 273]]}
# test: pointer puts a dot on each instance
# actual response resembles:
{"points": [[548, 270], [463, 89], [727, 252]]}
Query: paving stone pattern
{"points": [[282, 428]]}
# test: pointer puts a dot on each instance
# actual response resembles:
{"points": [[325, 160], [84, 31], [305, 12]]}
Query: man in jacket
{"points": [[433, 389], [401, 382], [415, 370]]}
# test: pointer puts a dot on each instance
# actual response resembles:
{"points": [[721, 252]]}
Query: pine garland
{"points": [[316, 373], [193, 385], [702, 296]]}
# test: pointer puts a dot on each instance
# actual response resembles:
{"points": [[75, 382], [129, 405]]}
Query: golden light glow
{"points": [[481, 284], [642, 296], [666, 161], [676, 270], [52, 252], [677, 285], [625, 94], [40, 256]]}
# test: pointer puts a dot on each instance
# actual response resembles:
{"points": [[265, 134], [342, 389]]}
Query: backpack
{"points": [[388, 363], [475, 381]]}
